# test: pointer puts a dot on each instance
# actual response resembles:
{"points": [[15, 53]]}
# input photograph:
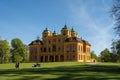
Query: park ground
{"points": [[61, 71]]}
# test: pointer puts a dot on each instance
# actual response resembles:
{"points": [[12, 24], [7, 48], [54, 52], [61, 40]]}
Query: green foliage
{"points": [[16, 43], [114, 57], [19, 51], [4, 51], [115, 51], [93, 55], [116, 47], [115, 12], [105, 55], [18, 58]]}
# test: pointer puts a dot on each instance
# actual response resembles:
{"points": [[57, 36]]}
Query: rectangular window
{"points": [[49, 41], [54, 48], [73, 48], [67, 48], [59, 40], [44, 49]]}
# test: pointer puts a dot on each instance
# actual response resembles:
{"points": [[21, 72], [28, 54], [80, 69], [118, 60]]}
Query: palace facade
{"points": [[62, 47]]}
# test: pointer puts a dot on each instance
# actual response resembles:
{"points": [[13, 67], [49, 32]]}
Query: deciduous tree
{"points": [[93, 55], [19, 51], [105, 55], [4, 51]]}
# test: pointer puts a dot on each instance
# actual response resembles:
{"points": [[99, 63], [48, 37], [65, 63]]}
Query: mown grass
{"points": [[61, 71]]}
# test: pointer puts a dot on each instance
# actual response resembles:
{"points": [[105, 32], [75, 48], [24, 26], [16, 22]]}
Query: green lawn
{"points": [[61, 71]]}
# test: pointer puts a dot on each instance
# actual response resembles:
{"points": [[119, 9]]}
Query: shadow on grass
{"points": [[77, 72]]}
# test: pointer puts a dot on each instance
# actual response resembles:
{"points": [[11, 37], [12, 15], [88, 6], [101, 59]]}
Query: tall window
{"points": [[79, 57], [49, 41], [44, 49], [67, 48], [79, 48], [73, 48], [54, 48], [59, 40], [84, 48]]}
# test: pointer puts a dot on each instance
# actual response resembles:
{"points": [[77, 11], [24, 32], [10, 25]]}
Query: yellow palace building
{"points": [[62, 47]]}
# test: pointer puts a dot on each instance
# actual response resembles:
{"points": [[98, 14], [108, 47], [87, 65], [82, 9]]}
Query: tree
{"points": [[113, 48], [19, 51], [116, 47], [27, 55], [4, 51], [93, 55], [115, 12], [105, 55], [114, 57]]}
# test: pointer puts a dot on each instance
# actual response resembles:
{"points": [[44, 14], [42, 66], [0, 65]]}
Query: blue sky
{"points": [[25, 19]]}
